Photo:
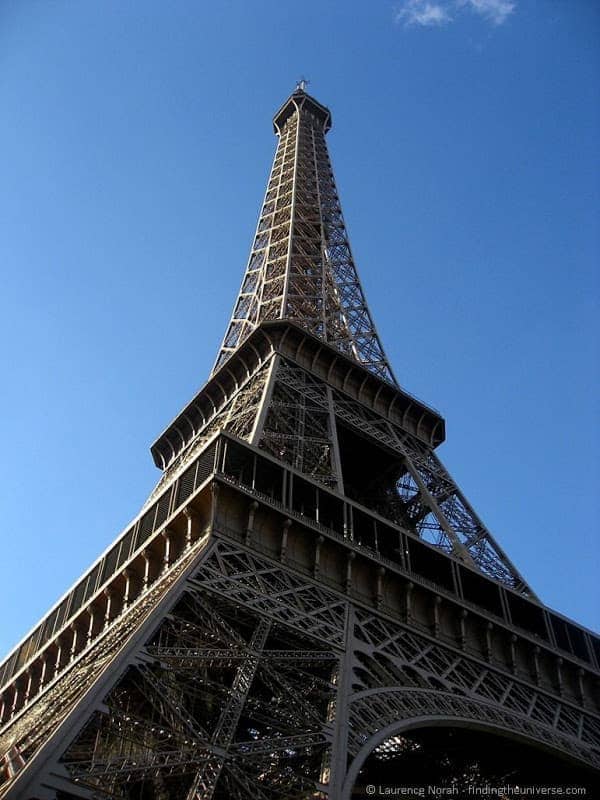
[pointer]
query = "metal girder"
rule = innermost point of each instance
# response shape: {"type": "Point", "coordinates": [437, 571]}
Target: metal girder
{"type": "Point", "coordinates": [301, 266]}
{"type": "Point", "coordinates": [426, 497]}
{"type": "Point", "coordinates": [205, 781]}
{"type": "Point", "coordinates": [153, 707]}
{"type": "Point", "coordinates": [235, 694]}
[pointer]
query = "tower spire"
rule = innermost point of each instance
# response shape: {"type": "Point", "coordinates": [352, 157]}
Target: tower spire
{"type": "Point", "coordinates": [301, 266]}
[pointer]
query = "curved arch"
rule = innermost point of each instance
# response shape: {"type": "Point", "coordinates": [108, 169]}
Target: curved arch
{"type": "Point", "coordinates": [407, 709]}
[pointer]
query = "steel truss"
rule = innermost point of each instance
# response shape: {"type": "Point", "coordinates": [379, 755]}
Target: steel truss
{"type": "Point", "coordinates": [239, 690]}
{"type": "Point", "coordinates": [301, 267]}
{"type": "Point", "coordinates": [425, 496]}
{"type": "Point", "coordinates": [293, 415]}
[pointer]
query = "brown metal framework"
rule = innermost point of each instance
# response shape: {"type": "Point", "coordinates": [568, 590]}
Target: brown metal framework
{"type": "Point", "coordinates": [306, 580]}
{"type": "Point", "coordinates": [301, 266]}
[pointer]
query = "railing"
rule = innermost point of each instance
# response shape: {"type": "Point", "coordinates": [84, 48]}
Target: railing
{"type": "Point", "coordinates": [296, 496]}
{"type": "Point", "coordinates": [126, 548]}
{"type": "Point", "coordinates": [415, 557]}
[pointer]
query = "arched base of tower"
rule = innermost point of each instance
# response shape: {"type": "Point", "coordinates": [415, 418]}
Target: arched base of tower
{"type": "Point", "coordinates": [456, 760]}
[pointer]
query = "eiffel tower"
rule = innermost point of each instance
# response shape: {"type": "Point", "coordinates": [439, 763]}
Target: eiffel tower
{"type": "Point", "coordinates": [307, 585]}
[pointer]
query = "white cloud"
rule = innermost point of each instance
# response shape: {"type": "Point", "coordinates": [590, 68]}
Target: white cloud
{"type": "Point", "coordinates": [496, 11]}
{"type": "Point", "coordinates": [422, 12]}
{"type": "Point", "coordinates": [429, 13]}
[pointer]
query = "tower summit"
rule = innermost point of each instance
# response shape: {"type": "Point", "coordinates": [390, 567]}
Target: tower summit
{"type": "Point", "coordinates": [301, 267]}
{"type": "Point", "coordinates": [307, 582]}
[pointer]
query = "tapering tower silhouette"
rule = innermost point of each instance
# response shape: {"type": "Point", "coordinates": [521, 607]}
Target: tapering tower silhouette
{"type": "Point", "coordinates": [307, 584]}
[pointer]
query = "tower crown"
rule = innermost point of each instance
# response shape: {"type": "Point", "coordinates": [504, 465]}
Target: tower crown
{"type": "Point", "coordinates": [301, 267]}
{"type": "Point", "coordinates": [301, 102]}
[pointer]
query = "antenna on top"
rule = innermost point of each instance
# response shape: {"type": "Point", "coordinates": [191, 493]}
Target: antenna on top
{"type": "Point", "coordinates": [301, 85]}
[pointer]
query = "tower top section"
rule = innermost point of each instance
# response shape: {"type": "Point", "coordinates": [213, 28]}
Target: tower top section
{"type": "Point", "coordinates": [300, 101]}
{"type": "Point", "coordinates": [301, 267]}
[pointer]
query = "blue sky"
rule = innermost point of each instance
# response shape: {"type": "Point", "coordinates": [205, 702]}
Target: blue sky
{"type": "Point", "coordinates": [134, 150]}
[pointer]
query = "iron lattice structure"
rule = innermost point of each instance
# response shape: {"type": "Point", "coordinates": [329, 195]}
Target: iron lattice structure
{"type": "Point", "coordinates": [301, 266]}
{"type": "Point", "coordinates": [306, 581]}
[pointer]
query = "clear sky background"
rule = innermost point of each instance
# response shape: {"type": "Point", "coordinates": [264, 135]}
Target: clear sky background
{"type": "Point", "coordinates": [135, 145]}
